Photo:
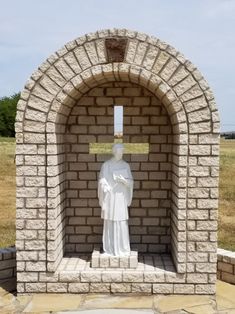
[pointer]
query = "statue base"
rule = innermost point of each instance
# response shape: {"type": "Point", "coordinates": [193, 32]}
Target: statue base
{"type": "Point", "coordinates": [102, 260]}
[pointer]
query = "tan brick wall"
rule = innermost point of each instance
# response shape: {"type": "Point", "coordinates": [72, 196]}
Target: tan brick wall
{"type": "Point", "coordinates": [43, 158]}
{"type": "Point", "coordinates": [145, 121]}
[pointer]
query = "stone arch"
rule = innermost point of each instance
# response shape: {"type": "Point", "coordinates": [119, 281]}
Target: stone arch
{"type": "Point", "coordinates": [71, 72]}
{"type": "Point", "coordinates": [143, 53]}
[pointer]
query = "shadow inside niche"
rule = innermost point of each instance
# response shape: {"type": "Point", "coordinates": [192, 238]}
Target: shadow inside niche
{"type": "Point", "coordinates": [7, 270]}
{"type": "Point", "coordinates": [8, 285]}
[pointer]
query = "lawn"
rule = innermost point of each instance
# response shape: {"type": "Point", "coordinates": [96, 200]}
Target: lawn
{"type": "Point", "coordinates": [226, 204]}
{"type": "Point", "coordinates": [7, 191]}
{"type": "Point", "coordinates": [227, 195]}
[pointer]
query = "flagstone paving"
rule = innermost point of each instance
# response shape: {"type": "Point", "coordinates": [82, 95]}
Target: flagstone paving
{"type": "Point", "coordinates": [222, 303]}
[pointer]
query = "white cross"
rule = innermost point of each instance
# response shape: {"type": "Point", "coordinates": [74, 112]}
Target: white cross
{"type": "Point", "coordinates": [129, 148]}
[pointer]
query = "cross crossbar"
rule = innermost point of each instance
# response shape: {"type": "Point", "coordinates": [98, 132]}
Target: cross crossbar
{"type": "Point", "coordinates": [129, 148]}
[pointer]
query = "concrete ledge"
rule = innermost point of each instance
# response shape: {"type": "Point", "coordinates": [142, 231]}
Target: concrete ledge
{"type": "Point", "coordinates": [226, 266]}
{"type": "Point", "coordinates": [225, 272]}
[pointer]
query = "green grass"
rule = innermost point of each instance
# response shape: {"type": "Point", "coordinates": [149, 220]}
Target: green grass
{"type": "Point", "coordinates": [226, 203]}
{"type": "Point", "coordinates": [227, 195]}
{"type": "Point", "coordinates": [7, 194]}
{"type": "Point", "coordinates": [7, 139]}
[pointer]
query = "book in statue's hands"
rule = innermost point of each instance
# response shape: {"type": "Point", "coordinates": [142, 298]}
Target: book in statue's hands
{"type": "Point", "coordinates": [120, 172]}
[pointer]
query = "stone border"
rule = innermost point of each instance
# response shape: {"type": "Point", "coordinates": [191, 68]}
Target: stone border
{"type": "Point", "coordinates": [8, 268]}
{"type": "Point", "coordinates": [226, 266]}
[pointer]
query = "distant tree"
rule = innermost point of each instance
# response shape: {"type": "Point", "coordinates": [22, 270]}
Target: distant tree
{"type": "Point", "coordinates": [7, 115]}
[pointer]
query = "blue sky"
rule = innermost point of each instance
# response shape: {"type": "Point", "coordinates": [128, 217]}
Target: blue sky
{"type": "Point", "coordinates": [203, 30]}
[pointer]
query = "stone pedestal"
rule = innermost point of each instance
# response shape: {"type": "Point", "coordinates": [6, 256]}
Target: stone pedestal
{"type": "Point", "coordinates": [102, 260]}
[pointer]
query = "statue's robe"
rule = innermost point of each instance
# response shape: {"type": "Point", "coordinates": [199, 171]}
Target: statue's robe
{"type": "Point", "coordinates": [114, 199]}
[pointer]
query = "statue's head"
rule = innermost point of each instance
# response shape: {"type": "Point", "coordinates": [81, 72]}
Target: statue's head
{"type": "Point", "coordinates": [118, 151]}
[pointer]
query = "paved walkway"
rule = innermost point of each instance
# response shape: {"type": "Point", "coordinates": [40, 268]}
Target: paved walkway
{"type": "Point", "coordinates": [222, 303]}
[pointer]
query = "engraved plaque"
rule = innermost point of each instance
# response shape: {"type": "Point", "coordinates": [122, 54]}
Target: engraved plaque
{"type": "Point", "coordinates": [115, 48]}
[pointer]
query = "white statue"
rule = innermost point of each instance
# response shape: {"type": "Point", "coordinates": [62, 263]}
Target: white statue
{"type": "Point", "coordinates": [115, 190]}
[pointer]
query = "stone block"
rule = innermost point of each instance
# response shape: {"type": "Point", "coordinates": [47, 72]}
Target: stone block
{"type": "Point", "coordinates": [35, 245]}
{"type": "Point", "coordinates": [81, 55]}
{"type": "Point", "coordinates": [100, 287]}
{"type": "Point", "coordinates": [225, 267]}
{"type": "Point", "coordinates": [133, 260]}
{"type": "Point", "coordinates": [35, 266]}
{"type": "Point", "coordinates": [27, 276]}
{"type": "Point", "coordinates": [132, 276]}
{"type": "Point", "coordinates": [199, 171]}
{"type": "Point", "coordinates": [198, 214]}
{"type": "Point", "coordinates": [206, 247]}
{"type": "Point", "coordinates": [69, 276]}
{"type": "Point", "coordinates": [114, 262]}
{"type": "Point", "coordinates": [35, 287]}
{"type": "Point", "coordinates": [78, 287]}
{"type": "Point", "coordinates": [48, 277]}
{"type": "Point", "coordinates": [124, 262]}
{"type": "Point", "coordinates": [154, 276]}
{"type": "Point", "coordinates": [120, 287]}
{"type": "Point", "coordinates": [38, 224]}
{"type": "Point", "coordinates": [183, 289]}
{"type": "Point", "coordinates": [207, 225]}
{"type": "Point", "coordinates": [206, 267]}
{"type": "Point", "coordinates": [207, 203]}
{"type": "Point", "coordinates": [20, 266]}
{"type": "Point", "coordinates": [197, 278]}
{"type": "Point", "coordinates": [95, 261]}
{"type": "Point", "coordinates": [102, 260]}
{"type": "Point", "coordinates": [141, 288]}
{"type": "Point", "coordinates": [71, 60]}
{"type": "Point", "coordinates": [90, 276]}
{"type": "Point", "coordinates": [57, 287]}
{"type": "Point", "coordinates": [205, 289]}
{"type": "Point", "coordinates": [173, 277]}
{"type": "Point", "coordinates": [112, 276]}
{"type": "Point", "coordinates": [198, 235]}
{"type": "Point", "coordinates": [64, 69]}
{"type": "Point", "coordinates": [197, 257]}
{"type": "Point", "coordinates": [228, 277]}
{"type": "Point", "coordinates": [163, 288]}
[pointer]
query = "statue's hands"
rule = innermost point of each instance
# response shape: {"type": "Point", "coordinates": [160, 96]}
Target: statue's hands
{"type": "Point", "coordinates": [121, 179]}
{"type": "Point", "coordinates": [105, 186]}
{"type": "Point", "coordinates": [107, 189]}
